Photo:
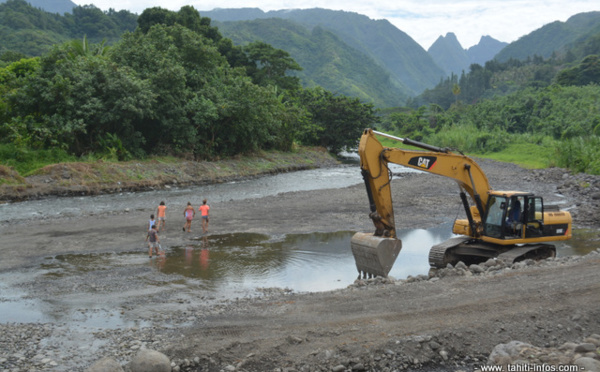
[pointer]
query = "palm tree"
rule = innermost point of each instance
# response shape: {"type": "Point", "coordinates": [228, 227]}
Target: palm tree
{"type": "Point", "coordinates": [81, 48]}
{"type": "Point", "coordinates": [456, 92]}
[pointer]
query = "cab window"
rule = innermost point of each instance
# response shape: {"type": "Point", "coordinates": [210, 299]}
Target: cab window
{"type": "Point", "coordinates": [495, 217]}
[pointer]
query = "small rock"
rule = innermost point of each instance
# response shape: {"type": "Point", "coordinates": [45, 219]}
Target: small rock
{"type": "Point", "coordinates": [476, 269]}
{"type": "Point", "coordinates": [585, 347]}
{"type": "Point", "coordinates": [294, 340]}
{"type": "Point", "coordinates": [444, 354]}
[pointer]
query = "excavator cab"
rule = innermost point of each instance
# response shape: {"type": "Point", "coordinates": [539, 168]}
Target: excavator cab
{"type": "Point", "coordinates": [515, 215]}
{"type": "Point", "coordinates": [506, 216]}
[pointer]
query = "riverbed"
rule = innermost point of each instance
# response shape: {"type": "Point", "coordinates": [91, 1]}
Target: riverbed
{"type": "Point", "coordinates": [223, 266]}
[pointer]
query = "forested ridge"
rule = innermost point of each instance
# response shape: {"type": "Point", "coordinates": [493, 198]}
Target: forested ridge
{"type": "Point", "coordinates": [173, 85]}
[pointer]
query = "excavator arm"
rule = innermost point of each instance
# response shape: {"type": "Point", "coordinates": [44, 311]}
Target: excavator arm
{"type": "Point", "coordinates": [375, 253]}
{"type": "Point", "coordinates": [374, 160]}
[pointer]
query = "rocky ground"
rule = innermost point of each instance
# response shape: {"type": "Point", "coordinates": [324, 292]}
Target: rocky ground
{"type": "Point", "coordinates": [459, 318]}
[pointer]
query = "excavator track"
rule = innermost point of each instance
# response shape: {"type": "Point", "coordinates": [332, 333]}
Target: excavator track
{"type": "Point", "coordinates": [529, 251]}
{"type": "Point", "coordinates": [471, 251]}
{"type": "Point", "coordinates": [441, 255]}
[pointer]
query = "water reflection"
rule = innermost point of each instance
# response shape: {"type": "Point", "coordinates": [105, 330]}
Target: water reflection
{"type": "Point", "coordinates": [302, 262]}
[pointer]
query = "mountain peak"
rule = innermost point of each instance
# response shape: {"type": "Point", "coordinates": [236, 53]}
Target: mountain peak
{"type": "Point", "coordinates": [442, 42]}
{"type": "Point", "coordinates": [447, 52]}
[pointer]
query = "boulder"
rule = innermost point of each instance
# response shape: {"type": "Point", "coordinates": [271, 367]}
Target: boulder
{"type": "Point", "coordinates": [510, 350]}
{"type": "Point", "coordinates": [150, 361]}
{"type": "Point", "coordinates": [588, 364]}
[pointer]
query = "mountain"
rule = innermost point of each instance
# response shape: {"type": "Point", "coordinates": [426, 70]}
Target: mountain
{"type": "Point", "coordinates": [52, 6]}
{"type": "Point", "coordinates": [408, 63]}
{"type": "Point", "coordinates": [450, 55]}
{"type": "Point", "coordinates": [553, 37]}
{"type": "Point", "coordinates": [326, 60]}
{"type": "Point", "coordinates": [485, 50]}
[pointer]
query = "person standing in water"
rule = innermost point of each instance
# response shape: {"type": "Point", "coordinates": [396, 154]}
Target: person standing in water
{"type": "Point", "coordinates": [151, 222]}
{"type": "Point", "coordinates": [161, 214]}
{"type": "Point", "coordinates": [189, 213]}
{"type": "Point", "coordinates": [153, 241]}
{"type": "Point", "coordinates": [204, 208]}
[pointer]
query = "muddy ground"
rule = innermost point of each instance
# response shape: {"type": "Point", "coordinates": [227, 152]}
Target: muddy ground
{"type": "Point", "coordinates": [448, 323]}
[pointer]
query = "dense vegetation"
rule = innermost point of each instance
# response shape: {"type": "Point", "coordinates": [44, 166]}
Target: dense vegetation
{"type": "Point", "coordinates": [168, 88]}
{"type": "Point", "coordinates": [174, 85]}
{"type": "Point", "coordinates": [557, 125]}
{"type": "Point", "coordinates": [31, 31]}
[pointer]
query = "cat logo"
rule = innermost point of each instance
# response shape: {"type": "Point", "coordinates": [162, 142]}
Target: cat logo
{"type": "Point", "coordinates": [425, 162]}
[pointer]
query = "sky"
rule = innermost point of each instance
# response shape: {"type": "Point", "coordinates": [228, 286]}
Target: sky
{"type": "Point", "coordinates": [422, 20]}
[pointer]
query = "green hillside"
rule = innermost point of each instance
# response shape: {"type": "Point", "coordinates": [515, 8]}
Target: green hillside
{"type": "Point", "coordinates": [325, 59]}
{"type": "Point", "coordinates": [554, 37]}
{"type": "Point", "coordinates": [406, 60]}
{"type": "Point", "coordinates": [32, 31]}
{"type": "Point", "coordinates": [388, 46]}
{"type": "Point", "coordinates": [52, 6]}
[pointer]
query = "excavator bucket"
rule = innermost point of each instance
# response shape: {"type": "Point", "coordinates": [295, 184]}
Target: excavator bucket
{"type": "Point", "coordinates": [374, 255]}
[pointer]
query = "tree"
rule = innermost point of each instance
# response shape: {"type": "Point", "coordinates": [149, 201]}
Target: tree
{"type": "Point", "coordinates": [456, 92]}
{"type": "Point", "coordinates": [337, 122]}
{"type": "Point", "coordinates": [589, 70]}
{"type": "Point", "coordinates": [74, 101]}
{"type": "Point", "coordinates": [271, 66]}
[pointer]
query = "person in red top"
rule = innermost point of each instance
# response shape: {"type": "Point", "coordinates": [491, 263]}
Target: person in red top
{"type": "Point", "coordinates": [189, 213]}
{"type": "Point", "coordinates": [204, 208]}
{"type": "Point", "coordinates": [161, 216]}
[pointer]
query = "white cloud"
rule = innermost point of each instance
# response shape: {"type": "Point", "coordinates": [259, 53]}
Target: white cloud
{"type": "Point", "coordinates": [424, 21]}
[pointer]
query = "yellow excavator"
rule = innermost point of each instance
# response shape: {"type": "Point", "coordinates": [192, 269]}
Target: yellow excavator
{"type": "Point", "coordinates": [507, 225]}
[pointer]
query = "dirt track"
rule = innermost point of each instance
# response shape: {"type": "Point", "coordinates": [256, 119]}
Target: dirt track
{"type": "Point", "coordinates": [444, 323]}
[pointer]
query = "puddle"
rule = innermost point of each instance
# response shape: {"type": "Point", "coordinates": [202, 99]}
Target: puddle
{"type": "Point", "coordinates": [303, 262]}
{"type": "Point", "coordinates": [219, 266]}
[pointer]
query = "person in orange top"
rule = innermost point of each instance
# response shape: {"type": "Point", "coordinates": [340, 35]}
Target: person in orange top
{"type": "Point", "coordinates": [204, 208]}
{"type": "Point", "coordinates": [161, 216]}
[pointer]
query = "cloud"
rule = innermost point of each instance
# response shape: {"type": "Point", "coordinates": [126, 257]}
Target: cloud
{"type": "Point", "coordinates": [424, 20]}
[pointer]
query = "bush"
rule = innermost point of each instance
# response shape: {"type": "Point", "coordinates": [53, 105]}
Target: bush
{"type": "Point", "coordinates": [581, 154]}
{"type": "Point", "coordinates": [25, 160]}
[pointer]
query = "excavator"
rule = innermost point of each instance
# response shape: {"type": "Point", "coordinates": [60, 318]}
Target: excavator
{"type": "Point", "coordinates": [506, 225]}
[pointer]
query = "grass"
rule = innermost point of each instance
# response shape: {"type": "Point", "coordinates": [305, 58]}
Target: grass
{"type": "Point", "coordinates": [154, 170]}
{"type": "Point", "coordinates": [523, 154]}
{"type": "Point", "coordinates": [527, 155]}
